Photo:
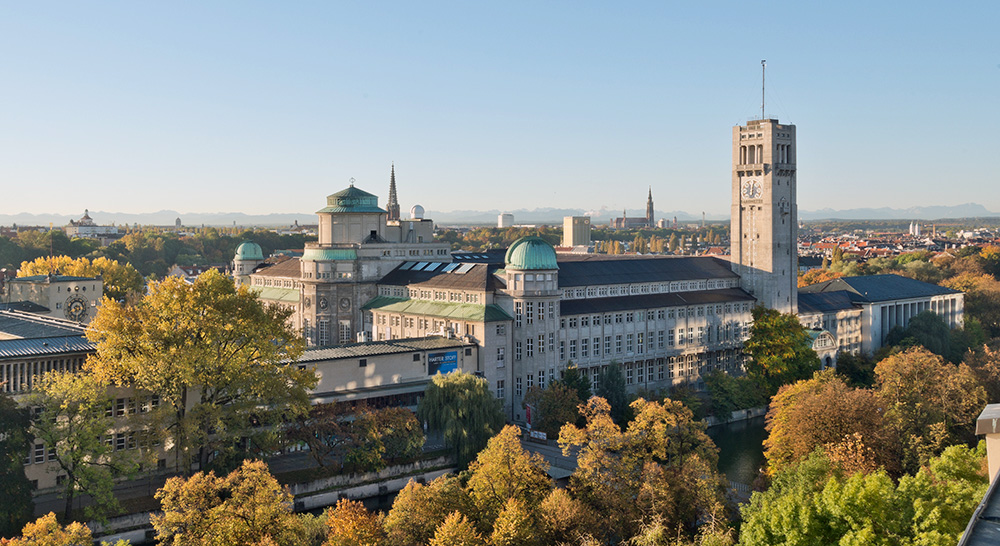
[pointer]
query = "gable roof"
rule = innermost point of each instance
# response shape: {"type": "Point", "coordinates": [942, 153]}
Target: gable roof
{"type": "Point", "coordinates": [595, 269]}
{"type": "Point", "coordinates": [825, 302]}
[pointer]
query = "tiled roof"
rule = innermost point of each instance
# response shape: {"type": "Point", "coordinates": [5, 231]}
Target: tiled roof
{"type": "Point", "coordinates": [455, 311]}
{"type": "Point", "coordinates": [875, 288]}
{"type": "Point", "coordinates": [596, 269]}
{"type": "Point", "coordinates": [289, 268]}
{"type": "Point", "coordinates": [373, 348]}
{"type": "Point", "coordinates": [652, 301]}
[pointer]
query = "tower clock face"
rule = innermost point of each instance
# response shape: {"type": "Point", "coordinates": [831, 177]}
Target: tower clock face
{"type": "Point", "coordinates": [751, 189]}
{"type": "Point", "coordinates": [76, 308]}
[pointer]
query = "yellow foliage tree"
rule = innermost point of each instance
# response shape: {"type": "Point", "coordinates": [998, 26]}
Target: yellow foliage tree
{"type": "Point", "coordinates": [120, 280]}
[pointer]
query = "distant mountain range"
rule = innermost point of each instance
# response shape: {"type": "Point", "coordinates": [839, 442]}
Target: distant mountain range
{"type": "Point", "coordinates": [488, 217]}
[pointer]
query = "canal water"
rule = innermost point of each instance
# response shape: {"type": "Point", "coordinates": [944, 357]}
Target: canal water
{"type": "Point", "coordinates": [741, 449]}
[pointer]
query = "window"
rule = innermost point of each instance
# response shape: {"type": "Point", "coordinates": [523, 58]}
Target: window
{"type": "Point", "coordinates": [345, 331]}
{"type": "Point", "coordinates": [597, 346]}
{"type": "Point", "coordinates": [541, 379]}
{"type": "Point", "coordinates": [501, 329]}
{"type": "Point", "coordinates": [362, 362]}
{"type": "Point", "coordinates": [607, 319]}
{"type": "Point", "coordinates": [680, 336]}
{"type": "Point", "coordinates": [529, 348]}
{"type": "Point", "coordinates": [562, 350]}
{"type": "Point", "coordinates": [529, 311]}
{"type": "Point", "coordinates": [552, 341]}
{"type": "Point", "coordinates": [618, 343]}
{"type": "Point", "coordinates": [531, 380]}
{"type": "Point", "coordinates": [39, 453]}
{"type": "Point", "coordinates": [120, 442]}
{"type": "Point", "coordinates": [659, 339]}
{"type": "Point", "coordinates": [584, 321]}
{"type": "Point", "coordinates": [518, 313]}
{"type": "Point", "coordinates": [638, 373]}
{"type": "Point", "coordinates": [618, 318]}
{"type": "Point", "coordinates": [552, 309]}
{"type": "Point", "coordinates": [628, 374]}
{"type": "Point", "coordinates": [584, 352]}
{"type": "Point", "coordinates": [500, 388]}
{"type": "Point", "coordinates": [500, 356]}
{"type": "Point", "coordinates": [630, 342]}
{"type": "Point", "coordinates": [541, 343]}
{"type": "Point", "coordinates": [541, 311]}
{"type": "Point", "coordinates": [629, 317]}
{"type": "Point", "coordinates": [119, 407]}
{"type": "Point", "coordinates": [517, 386]}
{"type": "Point", "coordinates": [416, 357]}
{"type": "Point", "coordinates": [517, 350]}
{"type": "Point", "coordinates": [572, 322]}
{"type": "Point", "coordinates": [572, 349]}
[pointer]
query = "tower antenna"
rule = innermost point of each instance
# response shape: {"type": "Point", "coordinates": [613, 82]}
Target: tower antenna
{"type": "Point", "coordinates": [763, 68]}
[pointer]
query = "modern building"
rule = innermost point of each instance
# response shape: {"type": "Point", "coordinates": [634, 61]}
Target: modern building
{"type": "Point", "coordinates": [576, 231]}
{"type": "Point", "coordinates": [505, 220]}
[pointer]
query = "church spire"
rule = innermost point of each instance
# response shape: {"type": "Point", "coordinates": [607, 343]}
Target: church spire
{"type": "Point", "coordinates": [650, 222]}
{"type": "Point", "coordinates": [393, 205]}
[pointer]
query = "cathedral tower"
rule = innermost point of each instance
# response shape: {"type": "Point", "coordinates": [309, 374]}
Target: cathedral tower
{"type": "Point", "coordinates": [764, 221]}
{"type": "Point", "coordinates": [393, 205]}
{"type": "Point", "coordinates": [650, 220]}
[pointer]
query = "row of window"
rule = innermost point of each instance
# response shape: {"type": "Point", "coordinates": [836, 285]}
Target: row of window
{"type": "Point", "coordinates": [634, 343]}
{"type": "Point", "coordinates": [647, 288]}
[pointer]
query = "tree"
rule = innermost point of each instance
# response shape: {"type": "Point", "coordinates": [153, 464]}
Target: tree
{"type": "Point", "coordinates": [246, 507]}
{"type": "Point", "coordinates": [327, 429]}
{"type": "Point", "coordinates": [352, 525]}
{"type": "Point", "coordinates": [463, 408]}
{"type": "Point", "coordinates": [552, 407]}
{"type": "Point", "coordinates": [825, 412]}
{"type": "Point", "coordinates": [215, 354]}
{"type": "Point", "coordinates": [15, 489]}
{"type": "Point", "coordinates": [984, 362]}
{"type": "Point", "coordinates": [75, 423]}
{"type": "Point", "coordinates": [419, 509]}
{"type": "Point", "coordinates": [857, 370]}
{"type": "Point", "coordinates": [611, 387]}
{"type": "Point", "coordinates": [514, 526]}
{"type": "Point", "coordinates": [456, 530]}
{"type": "Point", "coordinates": [780, 350]}
{"type": "Point", "coordinates": [120, 280]}
{"type": "Point", "coordinates": [46, 531]}
{"type": "Point", "coordinates": [729, 394]}
{"type": "Point", "coordinates": [932, 403]}
{"type": "Point", "coordinates": [400, 433]}
{"type": "Point", "coordinates": [565, 520]}
{"type": "Point", "coordinates": [575, 380]}
{"type": "Point", "coordinates": [505, 471]}
{"type": "Point", "coordinates": [662, 465]}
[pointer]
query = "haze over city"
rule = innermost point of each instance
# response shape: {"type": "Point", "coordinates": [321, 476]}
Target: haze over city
{"type": "Point", "coordinates": [260, 108]}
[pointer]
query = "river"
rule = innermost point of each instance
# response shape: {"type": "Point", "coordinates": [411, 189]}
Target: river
{"type": "Point", "coordinates": [741, 450]}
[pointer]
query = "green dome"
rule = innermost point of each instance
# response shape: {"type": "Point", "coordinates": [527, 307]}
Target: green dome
{"type": "Point", "coordinates": [249, 250]}
{"type": "Point", "coordinates": [529, 253]}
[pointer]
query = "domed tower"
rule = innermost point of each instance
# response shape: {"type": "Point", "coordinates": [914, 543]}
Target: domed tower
{"type": "Point", "coordinates": [532, 276]}
{"type": "Point", "coordinates": [248, 256]}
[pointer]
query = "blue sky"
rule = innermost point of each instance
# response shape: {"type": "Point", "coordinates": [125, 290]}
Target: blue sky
{"type": "Point", "coordinates": [264, 107]}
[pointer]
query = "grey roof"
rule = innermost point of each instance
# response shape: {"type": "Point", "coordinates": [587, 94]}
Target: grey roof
{"type": "Point", "coordinates": [50, 278]}
{"type": "Point", "coordinates": [596, 269]}
{"type": "Point", "coordinates": [473, 276]}
{"type": "Point", "coordinates": [27, 325]}
{"type": "Point", "coordinates": [26, 335]}
{"type": "Point", "coordinates": [652, 301]}
{"type": "Point", "coordinates": [875, 288]}
{"type": "Point", "coordinates": [24, 306]}
{"type": "Point", "coordinates": [20, 348]}
{"type": "Point", "coordinates": [374, 348]}
{"type": "Point", "coordinates": [825, 302]}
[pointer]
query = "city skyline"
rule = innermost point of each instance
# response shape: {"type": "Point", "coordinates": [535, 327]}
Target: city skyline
{"type": "Point", "coordinates": [259, 109]}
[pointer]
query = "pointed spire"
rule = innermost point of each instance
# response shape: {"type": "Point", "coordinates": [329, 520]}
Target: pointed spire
{"type": "Point", "coordinates": [393, 205]}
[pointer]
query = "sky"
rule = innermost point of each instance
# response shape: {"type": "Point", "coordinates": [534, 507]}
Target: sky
{"type": "Point", "coordinates": [262, 107]}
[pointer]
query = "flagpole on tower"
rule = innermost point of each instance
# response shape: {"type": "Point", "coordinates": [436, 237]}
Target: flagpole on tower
{"type": "Point", "coordinates": [763, 67]}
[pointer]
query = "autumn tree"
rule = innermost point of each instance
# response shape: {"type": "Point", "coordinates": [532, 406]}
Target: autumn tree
{"type": "Point", "coordinates": [504, 471]}
{"type": "Point", "coordinates": [984, 361]}
{"type": "Point", "coordinates": [75, 424]}
{"type": "Point", "coordinates": [515, 526]}
{"type": "Point", "coordinates": [46, 531]}
{"type": "Point", "coordinates": [932, 403]}
{"type": "Point", "coordinates": [419, 509]}
{"type": "Point", "coordinates": [244, 508]}
{"type": "Point", "coordinates": [400, 433]}
{"type": "Point", "coordinates": [462, 407]}
{"type": "Point", "coordinates": [219, 357]}
{"type": "Point", "coordinates": [327, 429]}
{"type": "Point", "coordinates": [456, 530]}
{"type": "Point", "coordinates": [552, 407]}
{"type": "Point", "coordinates": [352, 525]}
{"type": "Point", "coordinates": [15, 489]}
{"type": "Point", "coordinates": [779, 348]}
{"type": "Point", "coordinates": [661, 465]}
{"type": "Point", "coordinates": [564, 519]}
{"type": "Point", "coordinates": [825, 412]}
{"type": "Point", "coordinates": [120, 280]}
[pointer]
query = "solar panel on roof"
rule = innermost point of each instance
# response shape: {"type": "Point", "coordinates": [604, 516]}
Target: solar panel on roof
{"type": "Point", "coordinates": [407, 265]}
{"type": "Point", "coordinates": [465, 268]}
{"type": "Point", "coordinates": [420, 266]}
{"type": "Point", "coordinates": [448, 268]}
{"type": "Point", "coordinates": [433, 267]}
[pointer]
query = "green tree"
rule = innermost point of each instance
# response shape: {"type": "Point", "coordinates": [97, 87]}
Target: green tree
{"type": "Point", "coordinates": [75, 424]}
{"type": "Point", "coordinates": [857, 370]}
{"type": "Point", "coordinates": [779, 348]}
{"type": "Point", "coordinates": [246, 507]}
{"type": "Point", "coordinates": [932, 403]}
{"type": "Point", "coordinates": [327, 429]}
{"type": "Point", "coordinates": [462, 407]}
{"type": "Point", "coordinates": [729, 393]}
{"type": "Point", "coordinates": [400, 433]}
{"type": "Point", "coordinates": [611, 387]}
{"type": "Point", "coordinates": [575, 380]}
{"type": "Point", "coordinates": [215, 354]}
{"type": "Point", "coordinates": [504, 471]}
{"type": "Point", "coordinates": [15, 489]}
{"type": "Point", "coordinates": [552, 407]}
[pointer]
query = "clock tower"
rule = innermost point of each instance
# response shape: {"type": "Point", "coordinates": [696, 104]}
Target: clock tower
{"type": "Point", "coordinates": [764, 221]}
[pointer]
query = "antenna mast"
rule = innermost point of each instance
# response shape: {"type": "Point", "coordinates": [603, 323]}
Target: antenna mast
{"type": "Point", "coordinates": [763, 67]}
